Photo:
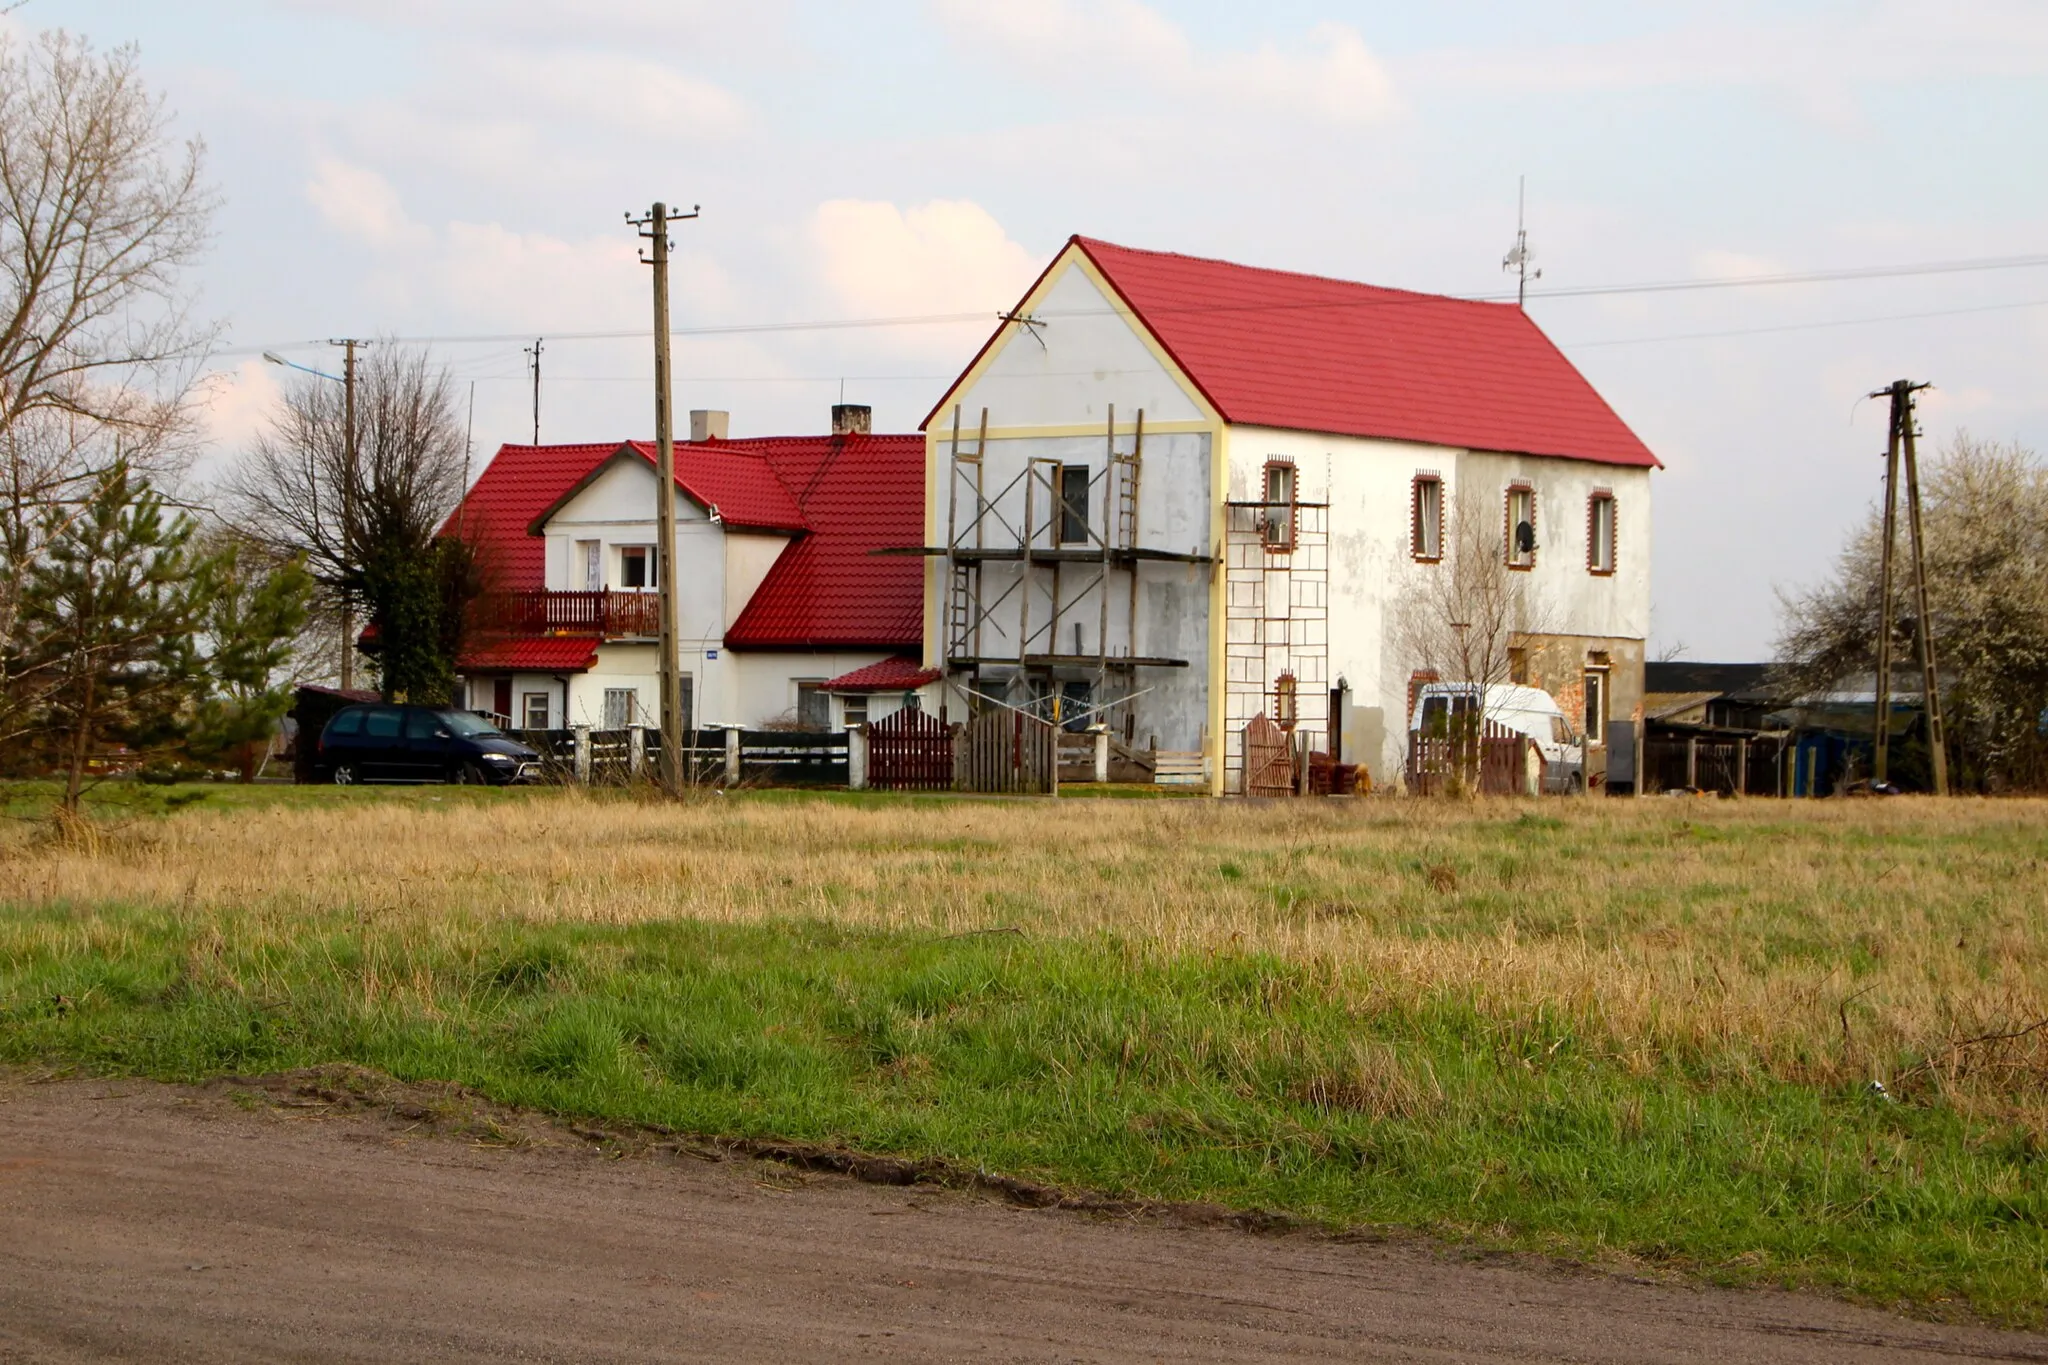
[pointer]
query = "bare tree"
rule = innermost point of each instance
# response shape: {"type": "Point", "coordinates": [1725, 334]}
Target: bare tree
{"type": "Point", "coordinates": [362, 524]}
{"type": "Point", "coordinates": [1463, 618]}
{"type": "Point", "coordinates": [100, 212]}
{"type": "Point", "coordinates": [1986, 519]}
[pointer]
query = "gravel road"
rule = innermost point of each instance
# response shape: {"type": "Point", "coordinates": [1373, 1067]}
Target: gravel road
{"type": "Point", "coordinates": [273, 1221]}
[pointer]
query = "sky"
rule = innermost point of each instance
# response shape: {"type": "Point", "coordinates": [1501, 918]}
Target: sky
{"type": "Point", "coordinates": [461, 170]}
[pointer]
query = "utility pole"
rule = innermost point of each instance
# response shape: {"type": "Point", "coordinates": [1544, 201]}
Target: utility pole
{"type": "Point", "coordinates": [654, 227]}
{"type": "Point", "coordinates": [1902, 440]}
{"type": "Point", "coordinates": [534, 351]}
{"type": "Point", "coordinates": [348, 503]}
{"type": "Point", "coordinates": [1881, 727]}
{"type": "Point", "coordinates": [1923, 626]}
{"type": "Point", "coordinates": [1518, 259]}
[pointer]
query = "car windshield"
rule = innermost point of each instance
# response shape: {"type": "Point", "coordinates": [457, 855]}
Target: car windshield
{"type": "Point", "coordinates": [466, 723]}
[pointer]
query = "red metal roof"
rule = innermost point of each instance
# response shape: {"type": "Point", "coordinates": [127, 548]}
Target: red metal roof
{"type": "Point", "coordinates": [841, 497]}
{"type": "Point", "coordinates": [514, 487]}
{"type": "Point", "coordinates": [1305, 353]}
{"type": "Point", "coordinates": [728, 478]}
{"type": "Point", "coordinates": [890, 675]}
{"type": "Point", "coordinates": [828, 590]}
{"type": "Point", "coordinates": [529, 654]}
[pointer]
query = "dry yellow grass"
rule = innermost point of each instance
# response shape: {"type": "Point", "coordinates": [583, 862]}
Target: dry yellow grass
{"type": "Point", "coordinates": [1815, 941]}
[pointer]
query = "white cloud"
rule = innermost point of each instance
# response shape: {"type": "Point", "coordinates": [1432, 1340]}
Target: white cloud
{"type": "Point", "coordinates": [611, 91]}
{"type": "Point", "coordinates": [237, 402]}
{"type": "Point", "coordinates": [1333, 77]}
{"type": "Point", "coordinates": [946, 256]}
{"type": "Point", "coordinates": [360, 203]}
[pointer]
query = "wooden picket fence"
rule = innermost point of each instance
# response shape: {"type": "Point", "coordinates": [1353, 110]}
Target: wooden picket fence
{"type": "Point", "coordinates": [910, 751]}
{"type": "Point", "coordinates": [1434, 760]}
{"type": "Point", "coordinates": [1007, 751]}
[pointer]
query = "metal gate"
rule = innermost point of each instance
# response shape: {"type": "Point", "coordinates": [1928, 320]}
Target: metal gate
{"type": "Point", "coordinates": [910, 751]}
{"type": "Point", "coordinates": [1006, 751]}
{"type": "Point", "coordinates": [1268, 759]}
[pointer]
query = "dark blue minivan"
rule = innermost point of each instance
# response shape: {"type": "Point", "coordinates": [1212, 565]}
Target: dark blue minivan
{"type": "Point", "coordinates": [399, 743]}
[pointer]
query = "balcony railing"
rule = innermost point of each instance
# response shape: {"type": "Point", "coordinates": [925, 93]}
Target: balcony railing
{"type": "Point", "coordinates": [609, 615]}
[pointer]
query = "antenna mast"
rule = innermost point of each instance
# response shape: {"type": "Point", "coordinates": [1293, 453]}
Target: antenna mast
{"type": "Point", "coordinates": [1517, 260]}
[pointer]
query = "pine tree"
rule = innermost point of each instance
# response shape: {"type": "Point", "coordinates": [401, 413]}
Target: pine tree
{"type": "Point", "coordinates": [254, 610]}
{"type": "Point", "coordinates": [112, 606]}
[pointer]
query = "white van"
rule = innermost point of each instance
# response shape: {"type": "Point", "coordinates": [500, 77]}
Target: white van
{"type": "Point", "coordinates": [1529, 710]}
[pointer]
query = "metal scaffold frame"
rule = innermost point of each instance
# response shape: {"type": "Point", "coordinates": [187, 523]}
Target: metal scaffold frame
{"type": "Point", "coordinates": [1053, 571]}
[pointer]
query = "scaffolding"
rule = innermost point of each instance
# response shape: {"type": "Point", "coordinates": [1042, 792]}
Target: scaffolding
{"type": "Point", "coordinates": [1063, 553]}
{"type": "Point", "coordinates": [1276, 608]}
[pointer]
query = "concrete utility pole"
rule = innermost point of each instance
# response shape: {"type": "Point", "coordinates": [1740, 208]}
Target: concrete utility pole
{"type": "Point", "coordinates": [654, 227]}
{"type": "Point", "coordinates": [534, 351]}
{"type": "Point", "coordinates": [1902, 439]}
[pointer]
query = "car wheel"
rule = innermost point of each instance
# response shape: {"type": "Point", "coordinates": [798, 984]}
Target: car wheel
{"type": "Point", "coordinates": [345, 775]}
{"type": "Point", "coordinates": [1575, 785]}
{"type": "Point", "coordinates": [470, 775]}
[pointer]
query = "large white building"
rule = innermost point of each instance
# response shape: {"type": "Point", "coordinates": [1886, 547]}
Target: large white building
{"type": "Point", "coordinates": [1173, 494]}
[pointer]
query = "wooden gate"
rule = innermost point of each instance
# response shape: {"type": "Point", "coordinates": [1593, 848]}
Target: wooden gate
{"type": "Point", "coordinates": [1268, 759]}
{"type": "Point", "coordinates": [910, 751]}
{"type": "Point", "coordinates": [1006, 751]}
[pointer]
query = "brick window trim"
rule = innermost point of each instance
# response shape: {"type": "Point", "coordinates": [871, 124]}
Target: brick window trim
{"type": "Point", "coordinates": [1507, 519]}
{"type": "Point", "coordinates": [1281, 547]}
{"type": "Point", "coordinates": [1593, 501]}
{"type": "Point", "coordinates": [1415, 516]}
{"type": "Point", "coordinates": [1417, 680]}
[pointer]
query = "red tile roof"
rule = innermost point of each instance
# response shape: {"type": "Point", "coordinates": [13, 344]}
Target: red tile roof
{"type": "Point", "coordinates": [890, 675]}
{"type": "Point", "coordinates": [828, 590]}
{"type": "Point", "coordinates": [1304, 353]}
{"type": "Point", "coordinates": [529, 654]}
{"type": "Point", "coordinates": [517, 483]}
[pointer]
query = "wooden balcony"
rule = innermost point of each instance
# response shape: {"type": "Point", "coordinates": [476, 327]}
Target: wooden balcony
{"type": "Point", "coordinates": [608, 615]}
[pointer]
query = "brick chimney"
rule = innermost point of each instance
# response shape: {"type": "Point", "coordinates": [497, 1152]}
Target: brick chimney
{"type": "Point", "coordinates": [852, 419]}
{"type": "Point", "coordinates": [709, 424]}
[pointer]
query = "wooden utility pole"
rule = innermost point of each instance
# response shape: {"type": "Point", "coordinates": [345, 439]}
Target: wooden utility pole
{"type": "Point", "coordinates": [654, 227]}
{"type": "Point", "coordinates": [348, 504]}
{"type": "Point", "coordinates": [1881, 725]}
{"type": "Point", "coordinates": [1937, 736]}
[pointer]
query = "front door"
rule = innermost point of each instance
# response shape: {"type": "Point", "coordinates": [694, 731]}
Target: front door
{"type": "Point", "coordinates": [382, 752]}
{"type": "Point", "coordinates": [426, 745]}
{"type": "Point", "coordinates": [501, 701]}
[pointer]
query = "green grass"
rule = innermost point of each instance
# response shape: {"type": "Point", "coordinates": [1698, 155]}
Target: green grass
{"type": "Point", "coordinates": [1089, 1061]}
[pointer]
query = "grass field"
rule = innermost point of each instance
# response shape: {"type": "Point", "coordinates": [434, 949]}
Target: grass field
{"type": "Point", "coordinates": [1616, 1030]}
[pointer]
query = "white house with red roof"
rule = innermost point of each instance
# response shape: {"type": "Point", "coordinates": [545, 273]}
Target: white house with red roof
{"type": "Point", "coordinates": [1173, 494]}
{"type": "Point", "coordinates": [785, 614]}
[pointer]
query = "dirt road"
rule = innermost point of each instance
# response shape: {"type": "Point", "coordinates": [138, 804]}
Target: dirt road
{"type": "Point", "coordinates": [150, 1222]}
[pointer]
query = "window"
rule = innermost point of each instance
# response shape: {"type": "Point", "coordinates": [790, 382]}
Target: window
{"type": "Point", "coordinates": [534, 707]}
{"type": "Point", "coordinates": [590, 560]}
{"type": "Point", "coordinates": [854, 710]}
{"type": "Point", "coordinates": [1286, 701]}
{"type": "Point", "coordinates": [636, 566]}
{"type": "Point", "coordinates": [1600, 533]}
{"type": "Point", "coordinates": [1596, 705]}
{"type": "Point", "coordinates": [1521, 527]}
{"type": "Point", "coordinates": [1426, 518]}
{"type": "Point", "coordinates": [1074, 702]}
{"type": "Point", "coordinates": [813, 705]}
{"type": "Point", "coordinates": [422, 724]}
{"type": "Point", "coordinates": [1072, 525]}
{"type": "Point", "coordinates": [1280, 500]}
{"type": "Point", "coordinates": [381, 723]}
{"type": "Point", "coordinates": [621, 707]}
{"type": "Point", "coordinates": [1518, 664]}
{"type": "Point", "coordinates": [689, 682]}
{"type": "Point", "coordinates": [347, 723]}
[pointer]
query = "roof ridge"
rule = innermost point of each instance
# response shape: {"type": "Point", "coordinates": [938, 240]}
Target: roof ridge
{"type": "Point", "coordinates": [1088, 243]}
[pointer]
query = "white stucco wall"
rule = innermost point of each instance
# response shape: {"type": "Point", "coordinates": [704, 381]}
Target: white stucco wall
{"type": "Point", "coordinates": [1368, 485]}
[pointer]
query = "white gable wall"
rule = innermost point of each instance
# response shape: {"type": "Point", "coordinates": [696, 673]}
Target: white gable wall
{"type": "Point", "coordinates": [1368, 485]}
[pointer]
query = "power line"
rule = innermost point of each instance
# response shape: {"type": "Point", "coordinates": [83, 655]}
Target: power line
{"type": "Point", "coordinates": [1388, 298]}
{"type": "Point", "coordinates": [1802, 326]}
